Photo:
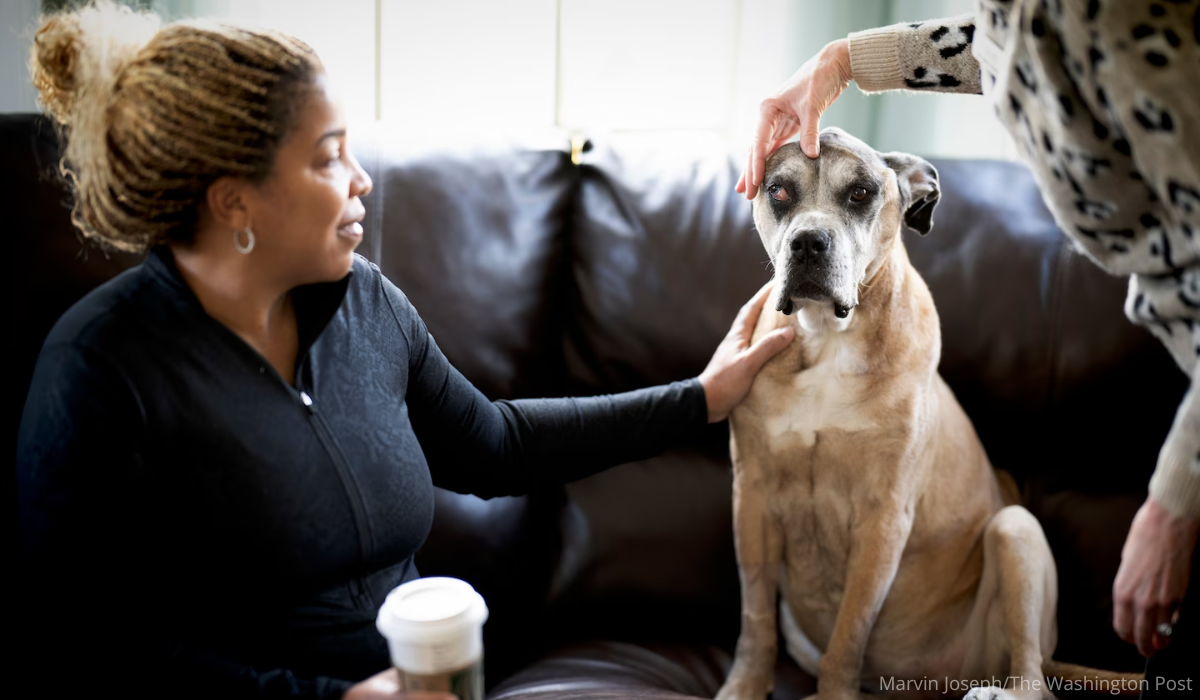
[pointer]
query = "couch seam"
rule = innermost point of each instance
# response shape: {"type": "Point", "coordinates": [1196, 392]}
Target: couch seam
{"type": "Point", "coordinates": [570, 300]}
{"type": "Point", "coordinates": [1061, 261]}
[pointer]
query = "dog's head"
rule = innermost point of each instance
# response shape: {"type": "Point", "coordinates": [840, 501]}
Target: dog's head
{"type": "Point", "coordinates": [829, 222]}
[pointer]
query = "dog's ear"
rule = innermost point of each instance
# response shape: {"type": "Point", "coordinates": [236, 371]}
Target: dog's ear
{"type": "Point", "coordinates": [919, 189]}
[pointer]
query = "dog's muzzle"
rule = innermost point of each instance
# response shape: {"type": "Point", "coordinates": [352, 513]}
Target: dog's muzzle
{"type": "Point", "coordinates": [808, 269]}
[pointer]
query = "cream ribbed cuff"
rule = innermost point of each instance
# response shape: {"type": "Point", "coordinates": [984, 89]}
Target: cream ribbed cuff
{"type": "Point", "coordinates": [1176, 486]}
{"type": "Point", "coordinates": [875, 59]}
{"type": "Point", "coordinates": [1176, 481]}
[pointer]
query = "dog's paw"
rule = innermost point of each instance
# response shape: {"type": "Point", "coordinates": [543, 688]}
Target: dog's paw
{"type": "Point", "coordinates": [742, 687]}
{"type": "Point", "coordinates": [1020, 691]}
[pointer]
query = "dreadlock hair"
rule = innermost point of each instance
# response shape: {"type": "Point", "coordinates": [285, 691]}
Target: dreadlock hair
{"type": "Point", "coordinates": [153, 116]}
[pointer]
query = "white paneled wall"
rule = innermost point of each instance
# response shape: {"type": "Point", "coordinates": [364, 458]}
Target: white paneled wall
{"type": "Point", "coordinates": [471, 64]}
{"type": "Point", "coordinates": [632, 64]}
{"type": "Point", "coordinates": [17, 19]}
{"type": "Point", "coordinates": [762, 63]}
{"type": "Point", "coordinates": [663, 68]}
{"type": "Point", "coordinates": [344, 39]}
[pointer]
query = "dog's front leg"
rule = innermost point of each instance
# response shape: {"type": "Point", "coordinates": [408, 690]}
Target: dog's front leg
{"type": "Point", "coordinates": [877, 544]}
{"type": "Point", "coordinates": [759, 542]}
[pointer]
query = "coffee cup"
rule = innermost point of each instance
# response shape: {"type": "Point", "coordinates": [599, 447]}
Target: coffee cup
{"type": "Point", "coordinates": [434, 630]}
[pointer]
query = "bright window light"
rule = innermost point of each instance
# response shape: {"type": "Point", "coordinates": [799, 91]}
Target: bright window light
{"type": "Point", "coordinates": [481, 66]}
{"type": "Point", "coordinates": [659, 70]}
{"type": "Point", "coordinates": [632, 64]}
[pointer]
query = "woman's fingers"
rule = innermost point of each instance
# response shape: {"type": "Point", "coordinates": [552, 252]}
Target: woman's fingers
{"type": "Point", "coordinates": [1145, 620]}
{"type": "Point", "coordinates": [810, 129]}
{"type": "Point", "coordinates": [747, 317]}
{"type": "Point", "coordinates": [1167, 616]}
{"type": "Point", "coordinates": [727, 378]}
{"type": "Point", "coordinates": [775, 127]}
{"type": "Point", "coordinates": [1153, 577]}
{"type": "Point", "coordinates": [756, 305]}
{"type": "Point", "coordinates": [1123, 619]}
{"type": "Point", "coordinates": [796, 108]}
{"type": "Point", "coordinates": [762, 136]}
{"type": "Point", "coordinates": [748, 187]}
{"type": "Point", "coordinates": [767, 347]}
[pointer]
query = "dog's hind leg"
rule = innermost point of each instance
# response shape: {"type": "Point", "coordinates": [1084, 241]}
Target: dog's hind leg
{"type": "Point", "coordinates": [1012, 627]}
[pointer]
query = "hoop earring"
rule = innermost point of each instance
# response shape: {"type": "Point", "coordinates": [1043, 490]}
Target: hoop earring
{"type": "Point", "coordinates": [237, 240]}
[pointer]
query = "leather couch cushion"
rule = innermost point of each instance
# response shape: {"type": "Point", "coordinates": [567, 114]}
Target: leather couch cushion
{"type": "Point", "coordinates": [663, 254]}
{"type": "Point", "coordinates": [474, 233]}
{"type": "Point", "coordinates": [1060, 386]}
{"type": "Point", "coordinates": [658, 559]}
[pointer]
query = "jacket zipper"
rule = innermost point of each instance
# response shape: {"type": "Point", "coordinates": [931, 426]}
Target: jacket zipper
{"type": "Point", "coordinates": [325, 435]}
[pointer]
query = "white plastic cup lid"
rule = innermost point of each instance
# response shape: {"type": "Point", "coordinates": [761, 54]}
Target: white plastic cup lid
{"type": "Point", "coordinates": [431, 610]}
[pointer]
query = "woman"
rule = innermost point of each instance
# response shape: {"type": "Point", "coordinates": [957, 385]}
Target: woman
{"type": "Point", "coordinates": [1099, 96]}
{"type": "Point", "coordinates": [227, 456]}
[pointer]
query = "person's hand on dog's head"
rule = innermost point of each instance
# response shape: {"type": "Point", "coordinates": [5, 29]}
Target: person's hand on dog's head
{"type": "Point", "coordinates": [796, 107]}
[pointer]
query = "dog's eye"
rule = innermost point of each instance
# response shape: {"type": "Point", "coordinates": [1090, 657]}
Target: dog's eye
{"type": "Point", "coordinates": [858, 194]}
{"type": "Point", "coordinates": [778, 193]}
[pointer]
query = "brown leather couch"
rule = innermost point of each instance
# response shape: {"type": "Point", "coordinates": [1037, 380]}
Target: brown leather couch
{"type": "Point", "coordinates": [540, 276]}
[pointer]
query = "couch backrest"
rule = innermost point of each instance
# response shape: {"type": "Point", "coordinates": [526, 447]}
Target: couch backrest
{"type": "Point", "coordinates": [473, 232]}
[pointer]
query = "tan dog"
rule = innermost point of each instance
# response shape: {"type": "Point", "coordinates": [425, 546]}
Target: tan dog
{"type": "Point", "coordinates": [862, 495]}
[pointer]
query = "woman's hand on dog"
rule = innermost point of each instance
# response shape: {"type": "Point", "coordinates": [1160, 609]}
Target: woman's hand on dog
{"type": "Point", "coordinates": [1155, 566]}
{"type": "Point", "coordinates": [736, 362]}
{"type": "Point", "coordinates": [796, 107]}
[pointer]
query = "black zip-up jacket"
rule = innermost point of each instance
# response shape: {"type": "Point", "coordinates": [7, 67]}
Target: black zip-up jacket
{"type": "Point", "coordinates": [194, 525]}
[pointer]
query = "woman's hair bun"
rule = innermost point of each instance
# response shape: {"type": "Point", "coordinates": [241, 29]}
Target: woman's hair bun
{"type": "Point", "coordinates": [152, 117]}
{"type": "Point", "coordinates": [78, 56]}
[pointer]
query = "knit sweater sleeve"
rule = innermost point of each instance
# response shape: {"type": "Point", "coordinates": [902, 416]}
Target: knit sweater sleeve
{"type": "Point", "coordinates": [935, 55]}
{"type": "Point", "coordinates": [1176, 481]}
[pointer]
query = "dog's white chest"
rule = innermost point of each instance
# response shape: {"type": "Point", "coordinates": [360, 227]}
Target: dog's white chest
{"type": "Point", "coordinates": [828, 395]}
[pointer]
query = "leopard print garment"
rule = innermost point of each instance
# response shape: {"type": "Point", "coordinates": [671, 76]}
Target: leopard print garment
{"type": "Point", "coordinates": [1102, 97]}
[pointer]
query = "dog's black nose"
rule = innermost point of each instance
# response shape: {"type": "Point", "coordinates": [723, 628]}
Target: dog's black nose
{"type": "Point", "coordinates": [810, 245]}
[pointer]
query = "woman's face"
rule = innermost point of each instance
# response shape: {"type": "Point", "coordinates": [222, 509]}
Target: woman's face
{"type": "Point", "coordinates": [307, 216]}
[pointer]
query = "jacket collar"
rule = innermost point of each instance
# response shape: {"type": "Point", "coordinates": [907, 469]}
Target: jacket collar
{"type": "Point", "coordinates": [315, 304]}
